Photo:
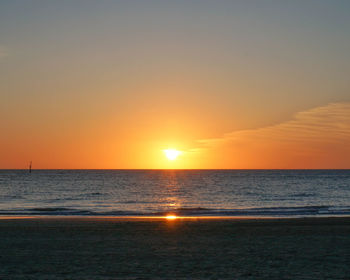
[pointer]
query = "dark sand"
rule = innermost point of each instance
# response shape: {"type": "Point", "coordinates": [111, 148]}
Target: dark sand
{"type": "Point", "coordinates": [62, 248]}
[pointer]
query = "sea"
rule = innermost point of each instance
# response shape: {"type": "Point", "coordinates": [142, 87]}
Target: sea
{"type": "Point", "coordinates": [205, 193]}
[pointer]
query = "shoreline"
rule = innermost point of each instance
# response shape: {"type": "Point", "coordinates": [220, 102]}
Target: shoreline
{"type": "Point", "coordinates": [101, 248]}
{"type": "Point", "coordinates": [175, 218]}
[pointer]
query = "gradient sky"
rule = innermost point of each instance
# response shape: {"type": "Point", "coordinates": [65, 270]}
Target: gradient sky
{"type": "Point", "coordinates": [232, 84]}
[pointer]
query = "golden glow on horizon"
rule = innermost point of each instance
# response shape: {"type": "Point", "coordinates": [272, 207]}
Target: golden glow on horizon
{"type": "Point", "coordinates": [171, 217]}
{"type": "Point", "coordinates": [172, 154]}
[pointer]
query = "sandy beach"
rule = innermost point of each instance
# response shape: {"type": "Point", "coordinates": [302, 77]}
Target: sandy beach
{"type": "Point", "coordinates": [114, 248]}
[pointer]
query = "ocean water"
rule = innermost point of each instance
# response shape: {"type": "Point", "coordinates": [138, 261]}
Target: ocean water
{"type": "Point", "coordinates": [261, 193]}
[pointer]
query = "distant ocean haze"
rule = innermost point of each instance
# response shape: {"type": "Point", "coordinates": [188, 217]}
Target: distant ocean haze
{"type": "Point", "coordinates": [261, 193]}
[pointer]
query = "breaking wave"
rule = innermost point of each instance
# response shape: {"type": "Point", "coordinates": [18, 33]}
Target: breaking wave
{"type": "Point", "coordinates": [192, 211]}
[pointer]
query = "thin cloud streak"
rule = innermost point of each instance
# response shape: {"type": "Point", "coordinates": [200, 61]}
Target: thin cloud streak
{"type": "Point", "coordinates": [319, 135]}
{"type": "Point", "coordinates": [327, 123]}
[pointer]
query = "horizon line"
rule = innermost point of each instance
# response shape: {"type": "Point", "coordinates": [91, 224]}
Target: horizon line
{"type": "Point", "coordinates": [184, 169]}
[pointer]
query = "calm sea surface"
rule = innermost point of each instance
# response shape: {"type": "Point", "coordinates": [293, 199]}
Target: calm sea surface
{"type": "Point", "coordinates": [263, 193]}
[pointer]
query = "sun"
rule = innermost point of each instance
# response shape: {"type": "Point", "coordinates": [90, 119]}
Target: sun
{"type": "Point", "coordinates": [172, 154]}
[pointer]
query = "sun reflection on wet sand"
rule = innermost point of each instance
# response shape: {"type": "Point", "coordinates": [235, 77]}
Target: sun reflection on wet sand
{"type": "Point", "coordinates": [171, 217]}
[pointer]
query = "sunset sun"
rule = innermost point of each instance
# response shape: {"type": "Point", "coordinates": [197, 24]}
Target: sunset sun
{"type": "Point", "coordinates": [172, 154]}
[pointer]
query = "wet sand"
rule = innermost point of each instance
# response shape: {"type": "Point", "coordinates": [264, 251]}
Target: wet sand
{"type": "Point", "coordinates": [112, 248]}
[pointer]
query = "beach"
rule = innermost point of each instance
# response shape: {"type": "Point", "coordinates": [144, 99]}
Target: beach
{"type": "Point", "coordinates": [141, 248]}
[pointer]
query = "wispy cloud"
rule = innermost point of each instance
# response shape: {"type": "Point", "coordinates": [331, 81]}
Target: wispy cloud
{"type": "Point", "coordinates": [327, 123]}
{"type": "Point", "coordinates": [321, 130]}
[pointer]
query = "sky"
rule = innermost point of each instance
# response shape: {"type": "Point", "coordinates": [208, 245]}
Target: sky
{"type": "Point", "coordinates": [230, 84]}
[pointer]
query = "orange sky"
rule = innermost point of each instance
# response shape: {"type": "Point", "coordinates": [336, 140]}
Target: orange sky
{"type": "Point", "coordinates": [316, 138]}
{"type": "Point", "coordinates": [231, 85]}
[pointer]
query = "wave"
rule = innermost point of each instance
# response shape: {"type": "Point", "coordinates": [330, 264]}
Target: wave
{"type": "Point", "coordinates": [266, 211]}
{"type": "Point", "coordinates": [302, 211]}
